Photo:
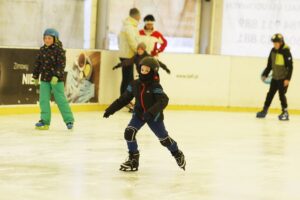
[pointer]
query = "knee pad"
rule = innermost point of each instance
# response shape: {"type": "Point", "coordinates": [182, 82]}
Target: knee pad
{"type": "Point", "coordinates": [168, 141]}
{"type": "Point", "coordinates": [130, 133]}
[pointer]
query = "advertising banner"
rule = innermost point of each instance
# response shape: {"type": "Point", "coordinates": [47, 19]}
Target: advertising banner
{"type": "Point", "coordinates": [16, 84]}
{"type": "Point", "coordinates": [249, 25]}
{"type": "Point", "coordinates": [82, 74]}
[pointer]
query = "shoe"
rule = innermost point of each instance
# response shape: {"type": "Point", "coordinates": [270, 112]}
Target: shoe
{"type": "Point", "coordinates": [284, 116]}
{"type": "Point", "coordinates": [41, 125]}
{"type": "Point", "coordinates": [70, 125]}
{"type": "Point", "coordinates": [132, 164]}
{"type": "Point", "coordinates": [262, 114]}
{"type": "Point", "coordinates": [180, 159]}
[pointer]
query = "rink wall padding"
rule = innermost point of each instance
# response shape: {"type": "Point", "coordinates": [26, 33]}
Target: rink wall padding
{"type": "Point", "coordinates": [197, 82]}
{"type": "Point", "coordinates": [206, 82]}
{"type": "Point", "coordinates": [30, 109]}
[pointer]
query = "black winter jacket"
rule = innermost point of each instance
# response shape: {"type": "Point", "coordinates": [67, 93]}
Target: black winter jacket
{"type": "Point", "coordinates": [279, 57]}
{"type": "Point", "coordinates": [50, 62]}
{"type": "Point", "coordinates": [136, 59]}
{"type": "Point", "coordinates": [149, 98]}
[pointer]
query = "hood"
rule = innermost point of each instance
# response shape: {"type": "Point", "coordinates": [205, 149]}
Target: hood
{"type": "Point", "coordinates": [285, 46]}
{"type": "Point", "coordinates": [131, 22]}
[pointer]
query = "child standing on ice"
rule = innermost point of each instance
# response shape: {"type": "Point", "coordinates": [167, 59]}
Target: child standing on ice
{"type": "Point", "coordinates": [150, 103]}
{"type": "Point", "coordinates": [281, 63]}
{"type": "Point", "coordinates": [50, 64]}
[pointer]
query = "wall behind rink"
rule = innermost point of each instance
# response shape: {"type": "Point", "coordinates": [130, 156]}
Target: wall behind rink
{"type": "Point", "coordinates": [205, 80]}
{"type": "Point", "coordinates": [196, 80]}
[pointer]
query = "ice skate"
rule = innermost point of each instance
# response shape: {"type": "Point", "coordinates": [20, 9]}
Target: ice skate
{"type": "Point", "coordinates": [70, 125]}
{"type": "Point", "coordinates": [132, 164]}
{"type": "Point", "coordinates": [262, 114]}
{"type": "Point", "coordinates": [180, 159]}
{"type": "Point", "coordinates": [41, 125]}
{"type": "Point", "coordinates": [284, 116]}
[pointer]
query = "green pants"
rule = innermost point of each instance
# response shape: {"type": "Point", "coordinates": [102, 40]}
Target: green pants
{"type": "Point", "coordinates": [60, 99]}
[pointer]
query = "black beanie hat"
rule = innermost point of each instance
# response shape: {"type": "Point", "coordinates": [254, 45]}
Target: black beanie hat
{"type": "Point", "coordinates": [148, 18]}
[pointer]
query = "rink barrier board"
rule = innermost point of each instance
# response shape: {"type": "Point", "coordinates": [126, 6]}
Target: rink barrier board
{"type": "Point", "coordinates": [211, 80]}
{"type": "Point", "coordinates": [234, 86]}
{"type": "Point", "coordinates": [31, 109]}
{"type": "Point", "coordinates": [226, 109]}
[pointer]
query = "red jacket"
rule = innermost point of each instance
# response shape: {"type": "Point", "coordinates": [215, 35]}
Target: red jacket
{"type": "Point", "coordinates": [156, 42]}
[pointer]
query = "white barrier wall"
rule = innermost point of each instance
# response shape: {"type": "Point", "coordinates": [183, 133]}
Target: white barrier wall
{"type": "Point", "coordinates": [192, 79]}
{"type": "Point", "coordinates": [205, 80]}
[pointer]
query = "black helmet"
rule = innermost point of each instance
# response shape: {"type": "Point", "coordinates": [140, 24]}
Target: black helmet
{"type": "Point", "coordinates": [277, 38]}
{"type": "Point", "coordinates": [149, 18]}
{"type": "Point", "coordinates": [150, 62]}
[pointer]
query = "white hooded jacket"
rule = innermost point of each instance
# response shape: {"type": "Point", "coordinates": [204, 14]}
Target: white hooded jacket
{"type": "Point", "coordinates": [128, 38]}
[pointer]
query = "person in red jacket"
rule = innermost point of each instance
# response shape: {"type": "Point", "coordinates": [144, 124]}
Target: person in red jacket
{"type": "Point", "coordinates": [154, 40]}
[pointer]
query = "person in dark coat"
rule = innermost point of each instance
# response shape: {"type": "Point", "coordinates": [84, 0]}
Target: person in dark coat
{"type": "Point", "coordinates": [280, 62]}
{"type": "Point", "coordinates": [151, 100]}
{"type": "Point", "coordinates": [136, 59]}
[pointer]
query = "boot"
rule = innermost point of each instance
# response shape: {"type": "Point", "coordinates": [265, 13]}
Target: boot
{"type": "Point", "coordinates": [180, 159]}
{"type": "Point", "coordinates": [262, 114]}
{"type": "Point", "coordinates": [41, 125]}
{"type": "Point", "coordinates": [284, 116]}
{"type": "Point", "coordinates": [70, 125]}
{"type": "Point", "coordinates": [132, 164]}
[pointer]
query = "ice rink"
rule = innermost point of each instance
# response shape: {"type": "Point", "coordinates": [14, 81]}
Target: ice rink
{"type": "Point", "coordinates": [230, 156]}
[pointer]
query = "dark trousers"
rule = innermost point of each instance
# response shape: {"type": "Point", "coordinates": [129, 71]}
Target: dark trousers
{"type": "Point", "coordinates": [276, 85]}
{"type": "Point", "coordinates": [127, 76]}
{"type": "Point", "coordinates": [158, 129]}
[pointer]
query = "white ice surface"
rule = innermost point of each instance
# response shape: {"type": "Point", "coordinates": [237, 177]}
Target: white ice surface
{"type": "Point", "coordinates": [230, 156]}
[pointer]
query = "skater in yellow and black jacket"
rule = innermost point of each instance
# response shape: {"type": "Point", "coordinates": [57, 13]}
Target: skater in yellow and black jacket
{"type": "Point", "coordinates": [280, 62]}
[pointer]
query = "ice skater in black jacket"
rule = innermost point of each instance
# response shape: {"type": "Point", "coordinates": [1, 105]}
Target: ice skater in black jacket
{"type": "Point", "coordinates": [150, 103]}
{"type": "Point", "coordinates": [280, 62]}
{"type": "Point", "coordinates": [136, 59]}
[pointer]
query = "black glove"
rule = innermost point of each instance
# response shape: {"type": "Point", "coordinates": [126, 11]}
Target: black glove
{"type": "Point", "coordinates": [168, 71]}
{"type": "Point", "coordinates": [107, 114]}
{"type": "Point", "coordinates": [117, 66]}
{"type": "Point", "coordinates": [147, 116]}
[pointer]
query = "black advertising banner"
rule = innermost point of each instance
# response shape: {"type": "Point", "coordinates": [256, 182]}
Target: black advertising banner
{"type": "Point", "coordinates": [16, 85]}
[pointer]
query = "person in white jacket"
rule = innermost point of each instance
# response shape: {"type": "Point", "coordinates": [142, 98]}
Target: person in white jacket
{"type": "Point", "coordinates": [128, 41]}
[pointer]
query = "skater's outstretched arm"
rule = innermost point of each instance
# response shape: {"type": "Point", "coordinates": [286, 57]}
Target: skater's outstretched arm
{"type": "Point", "coordinates": [122, 101]}
{"type": "Point", "coordinates": [125, 63]}
{"type": "Point", "coordinates": [162, 65]}
{"type": "Point", "coordinates": [269, 66]}
{"type": "Point", "coordinates": [128, 62]}
{"type": "Point", "coordinates": [161, 98]}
